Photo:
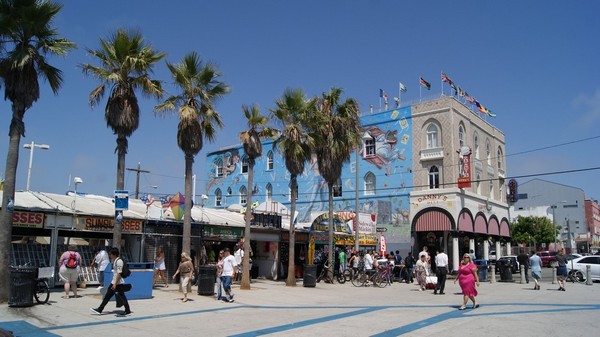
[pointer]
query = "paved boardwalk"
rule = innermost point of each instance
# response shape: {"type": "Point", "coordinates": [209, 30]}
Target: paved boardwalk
{"type": "Point", "coordinates": [271, 308]}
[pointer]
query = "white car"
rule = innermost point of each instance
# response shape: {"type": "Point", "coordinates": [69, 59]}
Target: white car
{"type": "Point", "coordinates": [581, 264]}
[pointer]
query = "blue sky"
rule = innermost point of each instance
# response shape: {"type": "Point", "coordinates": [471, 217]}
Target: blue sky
{"type": "Point", "coordinates": [534, 63]}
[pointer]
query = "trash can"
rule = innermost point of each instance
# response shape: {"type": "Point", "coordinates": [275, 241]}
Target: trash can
{"type": "Point", "coordinates": [309, 278]}
{"type": "Point", "coordinates": [254, 272]}
{"type": "Point", "coordinates": [207, 276]}
{"type": "Point", "coordinates": [505, 270]}
{"type": "Point", "coordinates": [482, 269]}
{"type": "Point", "coordinates": [22, 280]}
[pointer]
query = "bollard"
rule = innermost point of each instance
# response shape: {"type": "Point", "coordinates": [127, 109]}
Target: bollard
{"type": "Point", "coordinates": [493, 272]}
{"type": "Point", "coordinates": [522, 272]}
{"type": "Point", "coordinates": [554, 281]}
{"type": "Point", "coordinates": [588, 275]}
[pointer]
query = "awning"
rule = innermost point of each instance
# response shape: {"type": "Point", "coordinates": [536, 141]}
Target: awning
{"type": "Point", "coordinates": [480, 226]}
{"type": "Point", "coordinates": [465, 222]}
{"type": "Point", "coordinates": [433, 221]}
{"type": "Point", "coordinates": [504, 229]}
{"type": "Point", "coordinates": [493, 228]}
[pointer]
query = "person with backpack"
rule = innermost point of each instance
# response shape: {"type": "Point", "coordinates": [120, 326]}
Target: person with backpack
{"type": "Point", "coordinates": [117, 286]}
{"type": "Point", "coordinates": [69, 265]}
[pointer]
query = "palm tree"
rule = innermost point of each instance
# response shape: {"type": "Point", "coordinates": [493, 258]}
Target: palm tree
{"type": "Point", "coordinates": [251, 140]}
{"type": "Point", "coordinates": [200, 88]}
{"type": "Point", "coordinates": [337, 131]}
{"type": "Point", "coordinates": [126, 62]}
{"type": "Point", "coordinates": [26, 26]}
{"type": "Point", "coordinates": [295, 144]}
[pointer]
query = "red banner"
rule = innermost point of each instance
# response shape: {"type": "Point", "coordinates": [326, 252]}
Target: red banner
{"type": "Point", "coordinates": [464, 179]}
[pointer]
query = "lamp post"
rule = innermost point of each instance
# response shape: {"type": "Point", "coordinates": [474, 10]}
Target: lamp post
{"type": "Point", "coordinates": [366, 136]}
{"type": "Point", "coordinates": [31, 146]}
{"type": "Point", "coordinates": [76, 181]}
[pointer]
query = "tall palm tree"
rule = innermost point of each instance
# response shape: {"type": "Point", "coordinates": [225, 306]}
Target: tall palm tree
{"type": "Point", "coordinates": [25, 26]}
{"type": "Point", "coordinates": [295, 143]}
{"type": "Point", "coordinates": [251, 140]}
{"type": "Point", "coordinates": [336, 125]}
{"type": "Point", "coordinates": [126, 63]}
{"type": "Point", "coordinates": [200, 88]}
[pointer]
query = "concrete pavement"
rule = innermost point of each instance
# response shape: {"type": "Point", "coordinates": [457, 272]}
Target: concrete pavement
{"type": "Point", "coordinates": [271, 308]}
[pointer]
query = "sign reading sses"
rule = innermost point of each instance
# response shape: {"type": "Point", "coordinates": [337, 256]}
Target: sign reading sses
{"type": "Point", "coordinates": [100, 224]}
{"type": "Point", "coordinates": [28, 219]}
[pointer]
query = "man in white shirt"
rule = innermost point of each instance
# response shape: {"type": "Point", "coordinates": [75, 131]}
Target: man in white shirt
{"type": "Point", "coordinates": [441, 262]}
{"type": "Point", "coordinates": [369, 262]}
{"type": "Point", "coordinates": [117, 286]}
{"type": "Point", "coordinates": [239, 255]}
{"type": "Point", "coordinates": [229, 272]}
{"type": "Point", "coordinates": [101, 261]}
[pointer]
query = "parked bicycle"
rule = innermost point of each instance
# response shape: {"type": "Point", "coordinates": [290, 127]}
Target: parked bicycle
{"type": "Point", "coordinates": [41, 290]}
{"type": "Point", "coordinates": [324, 275]}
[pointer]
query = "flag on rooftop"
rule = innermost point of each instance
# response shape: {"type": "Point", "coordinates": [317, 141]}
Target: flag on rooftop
{"type": "Point", "coordinates": [446, 79]}
{"type": "Point", "coordinates": [424, 83]}
{"type": "Point", "coordinates": [402, 87]}
{"type": "Point", "coordinates": [484, 110]}
{"type": "Point", "coordinates": [381, 93]}
{"type": "Point", "coordinates": [461, 93]}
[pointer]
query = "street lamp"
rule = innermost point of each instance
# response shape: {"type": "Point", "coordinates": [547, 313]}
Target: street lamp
{"type": "Point", "coordinates": [77, 181]}
{"type": "Point", "coordinates": [31, 147]}
{"type": "Point", "coordinates": [366, 136]}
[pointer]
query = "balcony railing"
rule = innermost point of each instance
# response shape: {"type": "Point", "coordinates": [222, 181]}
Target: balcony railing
{"type": "Point", "coordinates": [432, 154]}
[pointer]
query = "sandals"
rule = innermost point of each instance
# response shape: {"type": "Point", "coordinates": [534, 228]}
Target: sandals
{"type": "Point", "coordinates": [475, 306]}
{"type": "Point", "coordinates": [184, 300]}
{"type": "Point", "coordinates": [462, 307]}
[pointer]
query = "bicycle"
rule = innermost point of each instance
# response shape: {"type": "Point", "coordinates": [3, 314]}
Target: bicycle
{"type": "Point", "coordinates": [324, 275]}
{"type": "Point", "coordinates": [41, 290]}
{"type": "Point", "coordinates": [576, 276]}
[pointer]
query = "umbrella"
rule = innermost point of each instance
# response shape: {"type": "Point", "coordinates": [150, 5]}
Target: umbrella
{"type": "Point", "coordinates": [177, 205]}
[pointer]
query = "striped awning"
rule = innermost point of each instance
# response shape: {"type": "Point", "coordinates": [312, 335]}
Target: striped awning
{"type": "Point", "coordinates": [465, 222]}
{"type": "Point", "coordinates": [480, 226]}
{"type": "Point", "coordinates": [433, 221]}
{"type": "Point", "coordinates": [504, 229]}
{"type": "Point", "coordinates": [493, 227]}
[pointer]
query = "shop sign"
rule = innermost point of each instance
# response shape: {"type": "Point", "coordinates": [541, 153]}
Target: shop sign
{"type": "Point", "coordinates": [28, 219]}
{"type": "Point", "coordinates": [103, 224]}
{"type": "Point", "coordinates": [299, 237]}
{"type": "Point", "coordinates": [225, 233]}
{"type": "Point", "coordinates": [321, 223]}
{"type": "Point", "coordinates": [367, 239]}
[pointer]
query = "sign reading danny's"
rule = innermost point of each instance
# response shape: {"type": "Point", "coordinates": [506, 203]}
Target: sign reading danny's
{"type": "Point", "coordinates": [464, 172]}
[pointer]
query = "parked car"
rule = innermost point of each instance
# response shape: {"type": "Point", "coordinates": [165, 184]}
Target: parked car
{"type": "Point", "coordinates": [547, 257]}
{"type": "Point", "coordinates": [492, 256]}
{"type": "Point", "coordinates": [512, 260]}
{"type": "Point", "coordinates": [581, 264]}
{"type": "Point", "coordinates": [573, 256]}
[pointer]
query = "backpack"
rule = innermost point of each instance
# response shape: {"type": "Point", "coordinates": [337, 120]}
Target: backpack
{"type": "Point", "coordinates": [72, 261]}
{"type": "Point", "coordinates": [125, 272]}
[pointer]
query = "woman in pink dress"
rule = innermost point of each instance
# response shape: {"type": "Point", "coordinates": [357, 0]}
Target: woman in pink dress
{"type": "Point", "coordinates": [468, 280]}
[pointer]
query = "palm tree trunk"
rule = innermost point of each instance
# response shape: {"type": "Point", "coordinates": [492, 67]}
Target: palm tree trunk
{"type": "Point", "coordinates": [6, 222]}
{"type": "Point", "coordinates": [245, 284]}
{"type": "Point", "coordinates": [331, 229]}
{"type": "Point", "coordinates": [187, 212]}
{"type": "Point", "coordinates": [121, 152]}
{"type": "Point", "coordinates": [291, 278]}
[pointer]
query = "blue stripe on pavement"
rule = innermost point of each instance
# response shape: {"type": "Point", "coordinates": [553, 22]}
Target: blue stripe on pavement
{"type": "Point", "coordinates": [23, 328]}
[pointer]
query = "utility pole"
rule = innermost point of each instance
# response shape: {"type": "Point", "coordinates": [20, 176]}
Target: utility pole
{"type": "Point", "coordinates": [137, 178]}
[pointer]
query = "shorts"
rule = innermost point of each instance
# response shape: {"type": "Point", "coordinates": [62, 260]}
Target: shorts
{"type": "Point", "coordinates": [561, 272]}
{"type": "Point", "coordinates": [68, 274]}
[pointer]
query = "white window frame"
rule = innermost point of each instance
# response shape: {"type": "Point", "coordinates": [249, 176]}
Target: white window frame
{"type": "Point", "coordinates": [488, 152]}
{"type": "Point", "coordinates": [433, 136]}
{"type": "Point", "coordinates": [370, 148]}
{"type": "Point", "coordinates": [270, 161]}
{"type": "Point", "coordinates": [434, 177]}
{"type": "Point", "coordinates": [476, 145]}
{"type": "Point", "coordinates": [370, 182]}
{"type": "Point", "coordinates": [245, 164]}
{"type": "Point", "coordinates": [218, 197]}
{"type": "Point", "coordinates": [243, 195]}
{"type": "Point", "coordinates": [500, 158]}
{"type": "Point", "coordinates": [269, 192]}
{"type": "Point", "coordinates": [219, 169]}
{"type": "Point", "coordinates": [461, 136]}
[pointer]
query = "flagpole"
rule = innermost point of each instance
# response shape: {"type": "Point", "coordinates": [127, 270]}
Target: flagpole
{"type": "Point", "coordinates": [442, 84]}
{"type": "Point", "coordinates": [379, 103]}
{"type": "Point", "coordinates": [420, 90]}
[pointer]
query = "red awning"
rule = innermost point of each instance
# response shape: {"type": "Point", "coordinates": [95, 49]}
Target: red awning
{"type": "Point", "coordinates": [465, 222]}
{"type": "Point", "coordinates": [480, 226]}
{"type": "Point", "coordinates": [504, 229]}
{"type": "Point", "coordinates": [433, 221]}
{"type": "Point", "coordinates": [493, 228]}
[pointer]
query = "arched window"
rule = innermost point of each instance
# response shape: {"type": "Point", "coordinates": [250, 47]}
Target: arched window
{"type": "Point", "coordinates": [245, 164]}
{"type": "Point", "coordinates": [243, 195]}
{"type": "Point", "coordinates": [476, 145]}
{"type": "Point", "coordinates": [461, 136]}
{"type": "Point", "coordinates": [500, 159]}
{"type": "Point", "coordinates": [218, 197]}
{"type": "Point", "coordinates": [337, 188]}
{"type": "Point", "coordinates": [229, 191]}
{"type": "Point", "coordinates": [432, 136]}
{"type": "Point", "coordinates": [488, 152]}
{"type": "Point", "coordinates": [478, 183]}
{"type": "Point", "coordinates": [491, 180]}
{"type": "Point", "coordinates": [434, 177]}
{"type": "Point", "coordinates": [370, 184]}
{"type": "Point", "coordinates": [270, 160]}
{"type": "Point", "coordinates": [269, 192]}
{"type": "Point", "coordinates": [219, 168]}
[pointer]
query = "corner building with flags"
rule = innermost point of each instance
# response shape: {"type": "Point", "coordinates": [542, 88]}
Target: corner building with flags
{"type": "Point", "coordinates": [428, 174]}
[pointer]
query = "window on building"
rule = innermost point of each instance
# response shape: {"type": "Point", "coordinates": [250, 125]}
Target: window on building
{"type": "Point", "coordinates": [476, 145]}
{"type": "Point", "coordinates": [269, 192]}
{"type": "Point", "coordinates": [488, 152]}
{"type": "Point", "coordinates": [434, 177]}
{"type": "Point", "coordinates": [478, 183]}
{"type": "Point", "coordinates": [218, 197]}
{"type": "Point", "coordinates": [243, 195]}
{"type": "Point", "coordinates": [245, 164]}
{"type": "Point", "coordinates": [369, 147]}
{"type": "Point", "coordinates": [337, 188]}
{"type": "Point", "coordinates": [500, 159]}
{"type": "Point", "coordinates": [270, 160]}
{"type": "Point", "coordinates": [501, 190]}
{"type": "Point", "coordinates": [491, 181]}
{"type": "Point", "coordinates": [432, 136]}
{"type": "Point", "coordinates": [461, 135]}
{"type": "Point", "coordinates": [370, 183]}
{"type": "Point", "coordinates": [219, 168]}
{"type": "Point", "coordinates": [229, 192]}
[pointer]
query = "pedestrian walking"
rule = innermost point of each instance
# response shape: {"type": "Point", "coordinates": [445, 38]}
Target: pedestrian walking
{"type": "Point", "coordinates": [441, 262]}
{"type": "Point", "coordinates": [69, 266]}
{"type": "Point", "coordinates": [422, 270]}
{"type": "Point", "coordinates": [186, 272]}
{"type": "Point", "coordinates": [229, 273]}
{"type": "Point", "coordinates": [160, 267]}
{"type": "Point", "coordinates": [536, 269]}
{"type": "Point", "coordinates": [219, 274]}
{"type": "Point", "coordinates": [101, 261]}
{"type": "Point", "coordinates": [117, 286]}
{"type": "Point", "coordinates": [468, 281]}
{"type": "Point", "coordinates": [561, 271]}
{"type": "Point", "coordinates": [523, 260]}
{"type": "Point", "coordinates": [409, 264]}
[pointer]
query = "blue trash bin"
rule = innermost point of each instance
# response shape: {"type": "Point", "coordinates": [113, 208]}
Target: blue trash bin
{"type": "Point", "coordinates": [482, 269]}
